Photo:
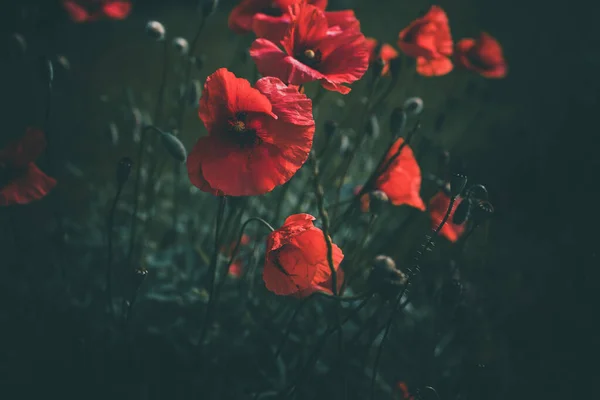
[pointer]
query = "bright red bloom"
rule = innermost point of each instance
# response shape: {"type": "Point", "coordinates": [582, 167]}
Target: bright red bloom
{"type": "Point", "coordinates": [268, 12]}
{"type": "Point", "coordinates": [438, 205]}
{"type": "Point", "coordinates": [313, 52]}
{"type": "Point", "coordinates": [483, 56]}
{"type": "Point", "coordinates": [257, 137]}
{"type": "Point", "coordinates": [296, 257]}
{"type": "Point", "coordinates": [429, 40]}
{"type": "Point", "coordinates": [93, 10]}
{"type": "Point", "coordinates": [385, 52]}
{"type": "Point", "coordinates": [324, 287]}
{"type": "Point", "coordinates": [21, 181]}
{"type": "Point", "coordinates": [401, 180]}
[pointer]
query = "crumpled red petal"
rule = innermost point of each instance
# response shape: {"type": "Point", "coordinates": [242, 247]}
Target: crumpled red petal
{"type": "Point", "coordinates": [32, 185]}
{"type": "Point", "coordinates": [117, 9]}
{"type": "Point", "coordinates": [438, 205]}
{"type": "Point", "coordinates": [25, 150]}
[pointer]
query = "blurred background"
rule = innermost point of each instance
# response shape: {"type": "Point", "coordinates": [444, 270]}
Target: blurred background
{"type": "Point", "coordinates": [531, 138]}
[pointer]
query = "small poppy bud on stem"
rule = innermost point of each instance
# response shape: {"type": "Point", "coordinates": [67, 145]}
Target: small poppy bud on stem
{"type": "Point", "coordinates": [181, 45]}
{"type": "Point", "coordinates": [174, 146]}
{"type": "Point", "coordinates": [462, 212]}
{"type": "Point", "coordinates": [457, 184]}
{"type": "Point", "coordinates": [413, 105]}
{"type": "Point", "coordinates": [385, 277]}
{"type": "Point", "coordinates": [397, 121]}
{"type": "Point", "coordinates": [124, 170]}
{"type": "Point", "coordinates": [155, 30]}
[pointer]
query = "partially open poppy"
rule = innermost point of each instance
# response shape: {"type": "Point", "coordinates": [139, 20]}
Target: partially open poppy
{"type": "Point", "coordinates": [384, 52]}
{"type": "Point", "coordinates": [313, 52]}
{"type": "Point", "coordinates": [429, 40]}
{"type": "Point", "coordinates": [482, 55]}
{"type": "Point", "coordinates": [438, 205]}
{"type": "Point", "coordinates": [92, 10]}
{"type": "Point", "coordinates": [21, 181]}
{"type": "Point", "coordinates": [271, 13]}
{"type": "Point", "coordinates": [401, 180]}
{"type": "Point", "coordinates": [296, 258]}
{"type": "Point", "coordinates": [257, 137]}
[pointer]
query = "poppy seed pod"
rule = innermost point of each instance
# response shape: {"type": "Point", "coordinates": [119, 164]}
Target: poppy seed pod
{"type": "Point", "coordinates": [413, 105]}
{"type": "Point", "coordinates": [457, 184]}
{"type": "Point", "coordinates": [385, 277]}
{"type": "Point", "coordinates": [482, 211]}
{"type": "Point", "coordinates": [174, 146]}
{"type": "Point", "coordinates": [462, 212]}
{"type": "Point", "coordinates": [181, 45]}
{"type": "Point", "coordinates": [123, 170]}
{"type": "Point", "coordinates": [397, 121]}
{"type": "Point", "coordinates": [207, 7]}
{"type": "Point", "coordinates": [372, 127]}
{"type": "Point", "coordinates": [330, 127]}
{"type": "Point", "coordinates": [377, 200]}
{"type": "Point", "coordinates": [155, 30]}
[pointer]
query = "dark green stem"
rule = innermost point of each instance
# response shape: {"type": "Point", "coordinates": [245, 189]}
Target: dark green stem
{"type": "Point", "coordinates": [109, 234]}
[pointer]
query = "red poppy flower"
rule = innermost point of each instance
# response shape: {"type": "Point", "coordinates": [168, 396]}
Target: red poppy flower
{"type": "Point", "coordinates": [438, 205]}
{"type": "Point", "coordinates": [269, 13]}
{"type": "Point", "coordinates": [483, 56]}
{"type": "Point", "coordinates": [257, 137]}
{"type": "Point", "coordinates": [296, 257]}
{"type": "Point", "coordinates": [385, 52]}
{"type": "Point", "coordinates": [313, 52]}
{"type": "Point", "coordinates": [324, 287]}
{"type": "Point", "coordinates": [21, 181]}
{"type": "Point", "coordinates": [429, 40]}
{"type": "Point", "coordinates": [401, 181]}
{"type": "Point", "coordinates": [92, 10]}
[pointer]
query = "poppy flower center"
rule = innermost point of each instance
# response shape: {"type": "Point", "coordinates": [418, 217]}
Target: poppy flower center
{"type": "Point", "coordinates": [240, 132]}
{"type": "Point", "coordinates": [309, 57]}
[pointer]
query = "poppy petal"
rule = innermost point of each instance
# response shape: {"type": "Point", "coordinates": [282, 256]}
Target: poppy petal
{"type": "Point", "coordinates": [194, 166]}
{"type": "Point", "coordinates": [345, 19]}
{"type": "Point", "coordinates": [434, 67]}
{"type": "Point", "coordinates": [438, 205]}
{"type": "Point", "coordinates": [76, 12]}
{"type": "Point", "coordinates": [25, 150]}
{"type": "Point", "coordinates": [117, 9]}
{"type": "Point", "coordinates": [30, 186]}
{"type": "Point", "coordinates": [298, 273]}
{"type": "Point", "coordinates": [269, 27]}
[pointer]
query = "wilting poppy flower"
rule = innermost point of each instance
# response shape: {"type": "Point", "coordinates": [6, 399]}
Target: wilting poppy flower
{"type": "Point", "coordinates": [296, 257]}
{"type": "Point", "coordinates": [429, 40]}
{"type": "Point", "coordinates": [257, 137]}
{"type": "Point", "coordinates": [483, 56]}
{"type": "Point", "coordinates": [92, 10]}
{"type": "Point", "coordinates": [313, 52]}
{"type": "Point", "coordinates": [385, 52]}
{"type": "Point", "coordinates": [21, 181]}
{"type": "Point", "coordinates": [271, 13]}
{"type": "Point", "coordinates": [438, 205]}
{"type": "Point", "coordinates": [401, 180]}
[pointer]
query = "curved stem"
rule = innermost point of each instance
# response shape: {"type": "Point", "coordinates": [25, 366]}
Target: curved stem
{"type": "Point", "coordinates": [213, 269]}
{"type": "Point", "coordinates": [111, 218]}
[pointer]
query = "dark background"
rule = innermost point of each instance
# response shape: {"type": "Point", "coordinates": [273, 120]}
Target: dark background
{"type": "Point", "coordinates": [534, 145]}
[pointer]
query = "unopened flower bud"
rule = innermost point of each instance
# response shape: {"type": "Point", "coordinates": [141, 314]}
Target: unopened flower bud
{"type": "Point", "coordinates": [181, 45]}
{"type": "Point", "coordinates": [385, 277]}
{"type": "Point", "coordinates": [482, 211]}
{"type": "Point", "coordinates": [123, 170]}
{"type": "Point", "coordinates": [457, 184]}
{"type": "Point", "coordinates": [397, 121]}
{"type": "Point", "coordinates": [155, 30]}
{"type": "Point", "coordinates": [372, 127]}
{"type": "Point", "coordinates": [413, 105]}
{"type": "Point", "coordinates": [462, 212]}
{"type": "Point", "coordinates": [330, 127]}
{"type": "Point", "coordinates": [377, 200]}
{"type": "Point", "coordinates": [193, 93]}
{"type": "Point", "coordinates": [207, 7]}
{"type": "Point", "coordinates": [174, 146]}
{"type": "Point", "coordinates": [478, 192]}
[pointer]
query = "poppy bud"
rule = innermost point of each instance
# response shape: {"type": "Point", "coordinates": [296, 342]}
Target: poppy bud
{"type": "Point", "coordinates": [395, 67]}
{"type": "Point", "coordinates": [482, 211]}
{"type": "Point", "coordinates": [478, 191]}
{"type": "Point", "coordinates": [377, 200]}
{"type": "Point", "coordinates": [207, 7]}
{"type": "Point", "coordinates": [413, 105]}
{"type": "Point", "coordinates": [181, 45]}
{"type": "Point", "coordinates": [385, 277]}
{"type": "Point", "coordinates": [193, 93]}
{"type": "Point", "coordinates": [330, 127]}
{"type": "Point", "coordinates": [174, 146]}
{"type": "Point", "coordinates": [372, 128]}
{"type": "Point", "coordinates": [155, 30]}
{"type": "Point", "coordinates": [397, 121]}
{"type": "Point", "coordinates": [462, 212]}
{"type": "Point", "coordinates": [123, 170]}
{"type": "Point", "coordinates": [457, 184]}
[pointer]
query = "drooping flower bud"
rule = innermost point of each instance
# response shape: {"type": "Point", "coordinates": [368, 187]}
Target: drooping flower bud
{"type": "Point", "coordinates": [174, 146]}
{"type": "Point", "coordinates": [192, 93]}
{"type": "Point", "coordinates": [457, 184]}
{"type": "Point", "coordinates": [377, 200]}
{"type": "Point", "coordinates": [482, 211]}
{"type": "Point", "coordinates": [385, 278]}
{"type": "Point", "coordinates": [413, 105]}
{"type": "Point", "coordinates": [478, 192]}
{"type": "Point", "coordinates": [372, 127]}
{"type": "Point", "coordinates": [155, 30]}
{"type": "Point", "coordinates": [181, 45]}
{"type": "Point", "coordinates": [397, 121]}
{"type": "Point", "coordinates": [330, 127]}
{"type": "Point", "coordinates": [123, 170]}
{"type": "Point", "coordinates": [462, 212]}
